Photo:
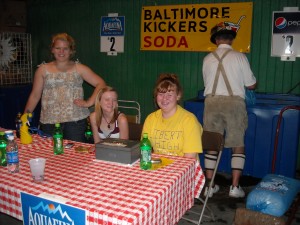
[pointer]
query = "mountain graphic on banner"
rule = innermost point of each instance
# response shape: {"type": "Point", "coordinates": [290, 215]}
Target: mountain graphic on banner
{"type": "Point", "coordinates": [50, 208]}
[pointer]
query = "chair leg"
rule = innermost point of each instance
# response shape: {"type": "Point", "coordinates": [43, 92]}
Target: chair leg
{"type": "Point", "coordinates": [209, 187]}
{"type": "Point", "coordinates": [212, 216]}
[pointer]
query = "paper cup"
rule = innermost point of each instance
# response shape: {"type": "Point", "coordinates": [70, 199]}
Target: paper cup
{"type": "Point", "coordinates": [37, 167]}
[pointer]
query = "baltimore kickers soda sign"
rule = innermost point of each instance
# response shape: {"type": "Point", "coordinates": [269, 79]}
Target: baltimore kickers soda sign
{"type": "Point", "coordinates": [40, 211]}
{"type": "Point", "coordinates": [187, 27]}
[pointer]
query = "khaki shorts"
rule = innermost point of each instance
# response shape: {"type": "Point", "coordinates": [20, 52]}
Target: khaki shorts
{"type": "Point", "coordinates": [226, 113]}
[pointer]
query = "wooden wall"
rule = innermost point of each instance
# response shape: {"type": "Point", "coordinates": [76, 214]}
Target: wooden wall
{"type": "Point", "coordinates": [134, 72]}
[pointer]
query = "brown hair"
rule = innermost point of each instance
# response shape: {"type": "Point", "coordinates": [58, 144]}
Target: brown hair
{"type": "Point", "coordinates": [167, 82]}
{"type": "Point", "coordinates": [64, 37]}
{"type": "Point", "coordinates": [98, 109]}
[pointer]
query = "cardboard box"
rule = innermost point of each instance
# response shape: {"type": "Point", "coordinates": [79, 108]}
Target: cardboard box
{"type": "Point", "coordinates": [118, 150]}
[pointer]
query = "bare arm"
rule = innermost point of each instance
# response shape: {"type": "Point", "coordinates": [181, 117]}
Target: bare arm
{"type": "Point", "coordinates": [94, 127]}
{"type": "Point", "coordinates": [93, 79]}
{"type": "Point", "coordinates": [36, 91]}
{"type": "Point", "coordinates": [123, 126]}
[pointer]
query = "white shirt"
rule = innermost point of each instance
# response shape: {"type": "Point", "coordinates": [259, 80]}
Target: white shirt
{"type": "Point", "coordinates": [237, 69]}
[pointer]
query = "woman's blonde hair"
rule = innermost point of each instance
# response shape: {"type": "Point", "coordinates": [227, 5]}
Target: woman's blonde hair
{"type": "Point", "coordinates": [64, 37]}
{"type": "Point", "coordinates": [98, 109]}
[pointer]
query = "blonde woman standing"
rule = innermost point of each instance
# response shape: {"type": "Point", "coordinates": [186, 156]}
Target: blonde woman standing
{"type": "Point", "coordinates": [58, 84]}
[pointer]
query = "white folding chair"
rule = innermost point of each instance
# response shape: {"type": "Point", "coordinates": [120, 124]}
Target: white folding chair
{"type": "Point", "coordinates": [134, 107]}
{"type": "Point", "coordinates": [133, 113]}
{"type": "Point", "coordinates": [211, 141]}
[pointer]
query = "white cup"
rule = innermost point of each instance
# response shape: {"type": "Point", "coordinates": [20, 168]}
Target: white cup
{"type": "Point", "coordinates": [37, 167]}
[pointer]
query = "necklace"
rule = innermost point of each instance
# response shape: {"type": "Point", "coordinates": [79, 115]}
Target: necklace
{"type": "Point", "coordinates": [108, 123]}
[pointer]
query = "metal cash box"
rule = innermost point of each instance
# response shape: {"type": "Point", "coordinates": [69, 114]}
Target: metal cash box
{"type": "Point", "coordinates": [118, 150]}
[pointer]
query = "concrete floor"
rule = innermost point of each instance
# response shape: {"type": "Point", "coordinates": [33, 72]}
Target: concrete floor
{"type": "Point", "coordinates": [222, 205]}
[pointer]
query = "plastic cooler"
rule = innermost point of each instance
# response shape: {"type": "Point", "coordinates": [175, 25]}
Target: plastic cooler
{"type": "Point", "coordinates": [260, 135]}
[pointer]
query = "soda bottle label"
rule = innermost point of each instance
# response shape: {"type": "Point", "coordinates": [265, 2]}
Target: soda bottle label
{"type": "Point", "coordinates": [146, 153]}
{"type": "Point", "coordinates": [146, 157]}
{"type": "Point", "coordinates": [12, 157]}
{"type": "Point", "coordinates": [58, 143]}
{"type": "Point", "coordinates": [145, 162]}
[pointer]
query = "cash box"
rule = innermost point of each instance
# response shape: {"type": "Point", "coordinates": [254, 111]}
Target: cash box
{"type": "Point", "coordinates": [118, 150]}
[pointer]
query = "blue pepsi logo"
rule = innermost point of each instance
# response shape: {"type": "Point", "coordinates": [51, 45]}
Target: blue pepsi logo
{"type": "Point", "coordinates": [280, 22]}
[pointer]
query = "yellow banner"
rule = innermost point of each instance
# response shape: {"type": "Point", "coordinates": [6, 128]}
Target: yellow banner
{"type": "Point", "coordinates": [187, 27]}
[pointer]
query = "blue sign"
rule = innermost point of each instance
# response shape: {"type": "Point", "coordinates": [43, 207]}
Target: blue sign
{"type": "Point", "coordinates": [112, 26]}
{"type": "Point", "coordinates": [40, 211]}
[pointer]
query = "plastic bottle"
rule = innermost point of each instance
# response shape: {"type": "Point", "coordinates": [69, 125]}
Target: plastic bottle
{"type": "Point", "coordinates": [8, 133]}
{"type": "Point", "coordinates": [88, 133]}
{"type": "Point", "coordinates": [146, 149]}
{"type": "Point", "coordinates": [250, 97]}
{"type": "Point", "coordinates": [12, 155]}
{"type": "Point", "coordinates": [26, 137]}
{"type": "Point", "coordinates": [3, 144]}
{"type": "Point", "coordinates": [58, 143]}
{"type": "Point", "coordinates": [18, 124]}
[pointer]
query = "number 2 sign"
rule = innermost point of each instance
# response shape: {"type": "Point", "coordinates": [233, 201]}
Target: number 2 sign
{"type": "Point", "coordinates": [112, 34]}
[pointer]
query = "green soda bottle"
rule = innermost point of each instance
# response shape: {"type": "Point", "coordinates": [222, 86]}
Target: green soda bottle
{"type": "Point", "coordinates": [3, 144]}
{"type": "Point", "coordinates": [58, 143]}
{"type": "Point", "coordinates": [88, 133]}
{"type": "Point", "coordinates": [146, 149]}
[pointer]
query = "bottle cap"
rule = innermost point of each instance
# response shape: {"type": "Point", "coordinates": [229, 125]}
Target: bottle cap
{"type": "Point", "coordinates": [145, 135]}
{"type": "Point", "coordinates": [10, 138]}
{"type": "Point", "coordinates": [57, 125]}
{"type": "Point", "coordinates": [8, 133]}
{"type": "Point", "coordinates": [2, 133]}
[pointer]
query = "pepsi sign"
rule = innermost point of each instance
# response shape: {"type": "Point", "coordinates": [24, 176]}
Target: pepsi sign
{"type": "Point", "coordinates": [286, 22]}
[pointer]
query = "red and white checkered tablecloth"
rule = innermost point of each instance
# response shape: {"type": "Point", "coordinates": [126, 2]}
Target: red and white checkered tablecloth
{"type": "Point", "coordinates": [111, 193]}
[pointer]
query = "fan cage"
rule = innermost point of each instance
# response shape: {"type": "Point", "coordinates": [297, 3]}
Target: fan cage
{"type": "Point", "coordinates": [15, 58]}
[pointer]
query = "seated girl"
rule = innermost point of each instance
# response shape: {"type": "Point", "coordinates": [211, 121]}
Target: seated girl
{"type": "Point", "coordinates": [107, 121]}
{"type": "Point", "coordinates": [171, 129]}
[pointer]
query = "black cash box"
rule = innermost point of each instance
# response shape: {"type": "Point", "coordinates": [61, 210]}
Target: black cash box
{"type": "Point", "coordinates": [118, 150]}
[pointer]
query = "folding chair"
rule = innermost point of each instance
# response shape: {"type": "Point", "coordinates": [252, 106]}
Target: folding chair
{"type": "Point", "coordinates": [131, 106]}
{"type": "Point", "coordinates": [135, 131]}
{"type": "Point", "coordinates": [211, 141]}
{"type": "Point", "coordinates": [133, 113]}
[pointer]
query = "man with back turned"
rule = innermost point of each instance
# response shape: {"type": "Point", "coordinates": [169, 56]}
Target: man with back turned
{"type": "Point", "coordinates": [226, 74]}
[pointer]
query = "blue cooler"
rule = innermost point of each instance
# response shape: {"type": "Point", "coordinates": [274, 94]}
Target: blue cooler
{"type": "Point", "coordinates": [260, 135]}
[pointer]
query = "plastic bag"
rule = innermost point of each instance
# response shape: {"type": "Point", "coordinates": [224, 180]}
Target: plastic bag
{"type": "Point", "coordinates": [250, 97]}
{"type": "Point", "coordinates": [273, 195]}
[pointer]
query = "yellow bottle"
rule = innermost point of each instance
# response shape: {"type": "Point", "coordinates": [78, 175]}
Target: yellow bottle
{"type": "Point", "coordinates": [24, 130]}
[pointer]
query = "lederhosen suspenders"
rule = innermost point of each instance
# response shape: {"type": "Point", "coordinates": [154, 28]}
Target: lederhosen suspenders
{"type": "Point", "coordinates": [221, 70]}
